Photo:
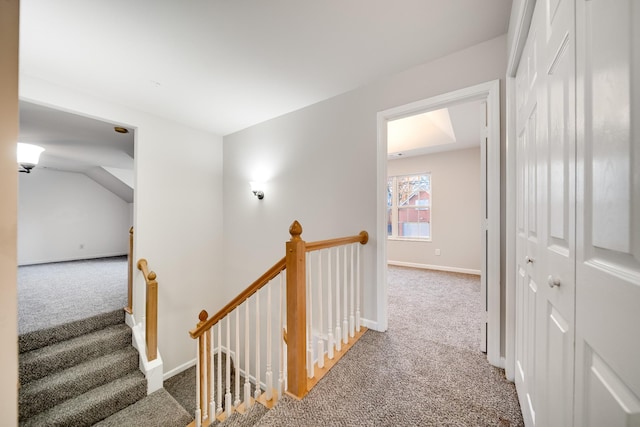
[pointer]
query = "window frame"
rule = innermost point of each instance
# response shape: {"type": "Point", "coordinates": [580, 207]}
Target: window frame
{"type": "Point", "coordinates": [393, 216]}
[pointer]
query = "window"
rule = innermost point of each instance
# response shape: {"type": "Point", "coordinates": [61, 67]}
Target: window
{"type": "Point", "coordinates": [409, 206]}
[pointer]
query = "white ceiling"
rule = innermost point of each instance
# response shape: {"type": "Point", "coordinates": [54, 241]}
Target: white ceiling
{"type": "Point", "coordinates": [224, 65]}
{"type": "Point", "coordinates": [74, 143]}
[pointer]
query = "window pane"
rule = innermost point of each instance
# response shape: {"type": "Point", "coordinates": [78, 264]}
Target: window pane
{"type": "Point", "coordinates": [414, 222]}
{"type": "Point", "coordinates": [413, 190]}
{"type": "Point", "coordinates": [389, 191]}
{"type": "Point", "coordinates": [389, 226]}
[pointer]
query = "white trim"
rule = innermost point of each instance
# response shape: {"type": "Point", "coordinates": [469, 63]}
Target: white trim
{"type": "Point", "coordinates": [510, 256]}
{"type": "Point", "coordinates": [73, 258]}
{"type": "Point", "coordinates": [152, 370]}
{"type": "Point", "coordinates": [521, 19]}
{"type": "Point", "coordinates": [490, 91]}
{"type": "Point", "coordinates": [179, 369]}
{"type": "Point", "coordinates": [370, 324]}
{"type": "Point", "coordinates": [435, 267]}
{"type": "Point", "coordinates": [381, 224]}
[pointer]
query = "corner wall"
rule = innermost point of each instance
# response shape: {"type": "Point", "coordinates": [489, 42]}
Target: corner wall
{"type": "Point", "coordinates": [9, 19]}
{"type": "Point", "coordinates": [64, 216]}
{"type": "Point", "coordinates": [319, 165]}
{"type": "Point", "coordinates": [455, 212]}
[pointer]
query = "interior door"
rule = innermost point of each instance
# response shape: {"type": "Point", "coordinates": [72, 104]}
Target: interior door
{"type": "Point", "coordinates": [545, 248]}
{"type": "Point", "coordinates": [556, 257]}
{"type": "Point", "coordinates": [527, 227]}
{"type": "Point", "coordinates": [608, 220]}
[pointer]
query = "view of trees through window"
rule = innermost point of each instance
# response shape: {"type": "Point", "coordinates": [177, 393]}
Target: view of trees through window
{"type": "Point", "coordinates": [409, 206]}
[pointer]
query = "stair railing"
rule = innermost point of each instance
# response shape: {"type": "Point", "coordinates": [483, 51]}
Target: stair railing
{"type": "Point", "coordinates": [288, 310]}
{"type": "Point", "coordinates": [151, 310]}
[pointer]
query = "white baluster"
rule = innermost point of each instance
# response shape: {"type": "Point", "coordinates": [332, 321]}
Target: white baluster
{"type": "Point", "coordinates": [205, 386]}
{"type": "Point", "coordinates": [358, 287]}
{"type": "Point", "coordinates": [268, 376]}
{"type": "Point", "coordinates": [330, 343]}
{"type": "Point", "coordinates": [247, 384]}
{"type": "Point", "coordinates": [338, 335]}
{"type": "Point", "coordinates": [281, 306]}
{"type": "Point", "coordinates": [345, 284]}
{"type": "Point", "coordinates": [227, 397]}
{"type": "Point", "coordinates": [212, 400]}
{"type": "Point", "coordinates": [198, 414]}
{"type": "Point", "coordinates": [256, 393]}
{"type": "Point", "coordinates": [219, 410]}
{"type": "Point", "coordinates": [320, 338]}
{"type": "Point", "coordinates": [236, 402]}
{"type": "Point", "coordinates": [352, 323]}
{"type": "Point", "coordinates": [309, 321]}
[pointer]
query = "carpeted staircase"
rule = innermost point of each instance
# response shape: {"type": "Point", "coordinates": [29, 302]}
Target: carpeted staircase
{"type": "Point", "coordinates": [86, 372]}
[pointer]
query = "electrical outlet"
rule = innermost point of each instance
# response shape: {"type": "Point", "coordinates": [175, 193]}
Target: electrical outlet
{"type": "Point", "coordinates": [438, 252]}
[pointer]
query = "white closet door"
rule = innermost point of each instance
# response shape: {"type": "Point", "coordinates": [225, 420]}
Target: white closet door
{"type": "Point", "coordinates": [556, 264]}
{"type": "Point", "coordinates": [608, 214]}
{"type": "Point", "coordinates": [527, 226]}
{"type": "Point", "coordinates": [545, 252]}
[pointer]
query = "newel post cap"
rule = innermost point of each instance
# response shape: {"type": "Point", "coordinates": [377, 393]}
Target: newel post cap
{"type": "Point", "coordinates": [295, 230]}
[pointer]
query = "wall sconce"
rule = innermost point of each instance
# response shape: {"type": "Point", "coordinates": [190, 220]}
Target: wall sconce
{"type": "Point", "coordinates": [257, 189]}
{"type": "Point", "coordinates": [28, 156]}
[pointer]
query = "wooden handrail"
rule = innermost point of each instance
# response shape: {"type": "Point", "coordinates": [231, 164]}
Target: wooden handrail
{"type": "Point", "coordinates": [151, 330]}
{"type": "Point", "coordinates": [361, 238]}
{"type": "Point", "coordinates": [129, 307]}
{"type": "Point", "coordinates": [294, 335]}
{"type": "Point", "coordinates": [250, 290]}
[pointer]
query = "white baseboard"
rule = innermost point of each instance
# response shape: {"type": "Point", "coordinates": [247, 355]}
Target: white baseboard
{"type": "Point", "coordinates": [179, 369]}
{"type": "Point", "coordinates": [370, 324]}
{"type": "Point", "coordinates": [435, 267]}
{"type": "Point", "coordinates": [73, 258]}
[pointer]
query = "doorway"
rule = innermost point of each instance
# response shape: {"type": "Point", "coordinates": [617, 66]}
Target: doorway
{"type": "Point", "coordinates": [76, 205]}
{"type": "Point", "coordinates": [488, 95]}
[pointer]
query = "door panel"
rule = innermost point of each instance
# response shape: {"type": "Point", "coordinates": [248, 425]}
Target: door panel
{"type": "Point", "coordinates": [527, 219]}
{"type": "Point", "coordinates": [608, 220]}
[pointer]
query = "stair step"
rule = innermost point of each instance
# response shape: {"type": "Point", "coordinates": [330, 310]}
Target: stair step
{"type": "Point", "coordinates": [49, 391]}
{"type": "Point", "coordinates": [41, 362]}
{"type": "Point", "coordinates": [94, 405]}
{"type": "Point", "coordinates": [157, 409]}
{"type": "Point", "coordinates": [42, 338]}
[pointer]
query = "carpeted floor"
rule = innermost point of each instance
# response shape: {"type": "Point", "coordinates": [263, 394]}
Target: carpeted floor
{"type": "Point", "coordinates": [57, 293]}
{"type": "Point", "coordinates": [425, 370]}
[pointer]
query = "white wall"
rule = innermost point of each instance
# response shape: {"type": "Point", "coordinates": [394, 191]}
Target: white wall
{"type": "Point", "coordinates": [177, 211]}
{"type": "Point", "coordinates": [9, 18]}
{"type": "Point", "coordinates": [455, 212]}
{"type": "Point", "coordinates": [319, 164]}
{"type": "Point", "coordinates": [66, 215]}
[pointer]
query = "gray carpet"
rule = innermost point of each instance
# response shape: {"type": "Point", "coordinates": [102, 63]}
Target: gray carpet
{"type": "Point", "coordinates": [78, 373]}
{"type": "Point", "coordinates": [158, 409]}
{"type": "Point", "coordinates": [58, 293]}
{"type": "Point", "coordinates": [426, 370]}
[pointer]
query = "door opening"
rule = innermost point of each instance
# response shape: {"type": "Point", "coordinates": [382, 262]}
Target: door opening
{"type": "Point", "coordinates": [487, 96]}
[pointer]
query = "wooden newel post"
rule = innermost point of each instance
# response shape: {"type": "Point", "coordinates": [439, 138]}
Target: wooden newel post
{"type": "Point", "coordinates": [129, 307]}
{"type": "Point", "coordinates": [152, 317]}
{"type": "Point", "coordinates": [296, 312]}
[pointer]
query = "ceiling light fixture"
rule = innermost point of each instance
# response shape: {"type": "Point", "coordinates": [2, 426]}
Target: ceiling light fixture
{"type": "Point", "coordinates": [120, 129]}
{"type": "Point", "coordinates": [28, 156]}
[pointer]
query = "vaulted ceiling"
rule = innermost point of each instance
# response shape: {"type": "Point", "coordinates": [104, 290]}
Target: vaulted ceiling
{"type": "Point", "coordinates": [224, 65]}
